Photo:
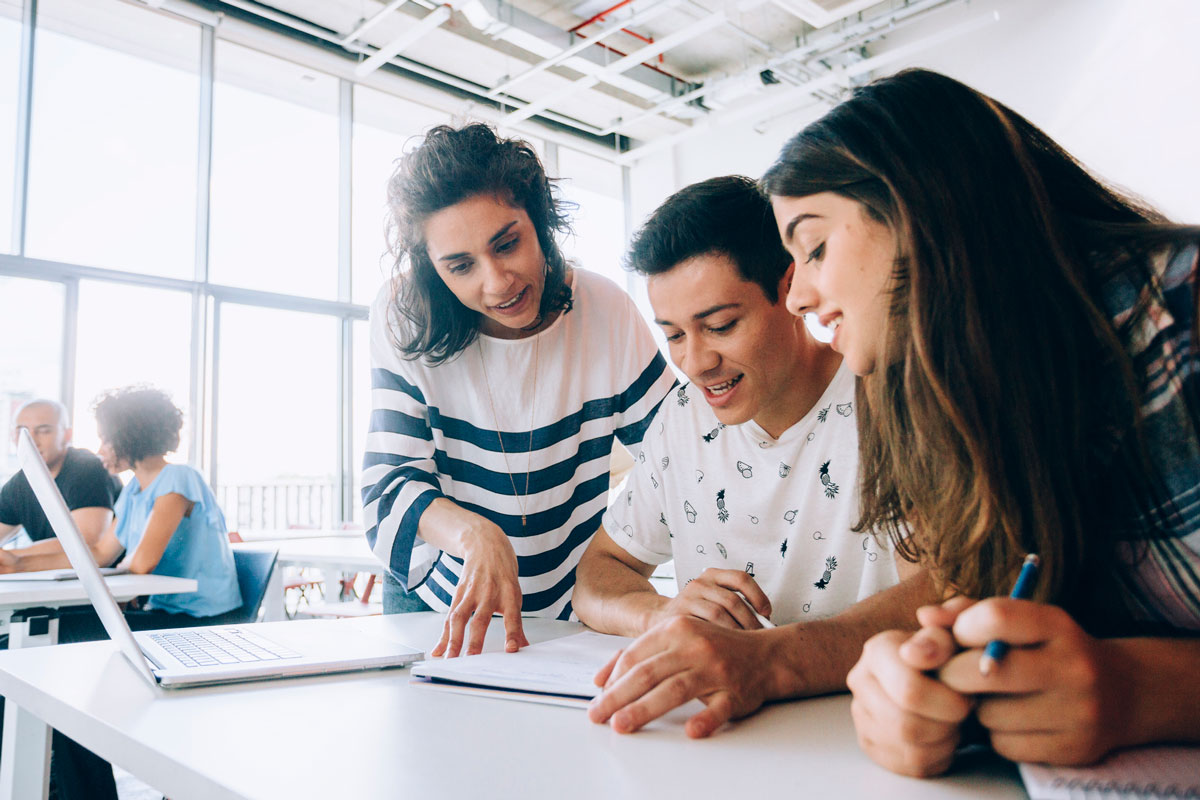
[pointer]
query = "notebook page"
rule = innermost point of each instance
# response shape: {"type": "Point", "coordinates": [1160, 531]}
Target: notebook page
{"type": "Point", "coordinates": [562, 666]}
{"type": "Point", "coordinates": [1142, 773]}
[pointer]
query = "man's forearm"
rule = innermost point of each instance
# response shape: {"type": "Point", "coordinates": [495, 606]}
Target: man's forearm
{"type": "Point", "coordinates": [611, 597]}
{"type": "Point", "coordinates": [34, 558]}
{"type": "Point", "coordinates": [811, 658]}
{"type": "Point", "coordinates": [41, 548]}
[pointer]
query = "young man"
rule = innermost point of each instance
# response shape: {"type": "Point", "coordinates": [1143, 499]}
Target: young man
{"type": "Point", "coordinates": [746, 478]}
{"type": "Point", "coordinates": [86, 486]}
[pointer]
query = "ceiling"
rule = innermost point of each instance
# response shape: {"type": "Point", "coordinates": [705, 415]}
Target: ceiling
{"type": "Point", "coordinates": [640, 72]}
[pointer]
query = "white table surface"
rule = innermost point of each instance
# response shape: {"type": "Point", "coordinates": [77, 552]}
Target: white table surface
{"type": "Point", "coordinates": [26, 738]}
{"type": "Point", "coordinates": [403, 740]}
{"type": "Point", "coordinates": [267, 535]}
{"type": "Point", "coordinates": [15, 595]}
{"type": "Point", "coordinates": [324, 551]}
{"type": "Point", "coordinates": [332, 555]}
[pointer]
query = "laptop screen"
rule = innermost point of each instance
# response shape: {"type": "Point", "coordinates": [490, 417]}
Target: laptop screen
{"type": "Point", "coordinates": [78, 553]}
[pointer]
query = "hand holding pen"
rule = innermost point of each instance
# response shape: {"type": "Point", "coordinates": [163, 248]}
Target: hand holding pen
{"type": "Point", "coordinates": [1023, 590]}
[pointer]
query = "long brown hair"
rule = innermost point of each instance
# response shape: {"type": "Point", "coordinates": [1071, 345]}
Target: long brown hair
{"type": "Point", "coordinates": [1005, 390]}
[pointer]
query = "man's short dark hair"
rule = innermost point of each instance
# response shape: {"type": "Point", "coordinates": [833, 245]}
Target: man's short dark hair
{"type": "Point", "coordinates": [728, 216]}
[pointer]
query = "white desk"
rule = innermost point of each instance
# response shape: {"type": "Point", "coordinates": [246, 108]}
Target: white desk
{"type": "Point", "coordinates": [333, 555]}
{"type": "Point", "coordinates": [16, 596]}
{"type": "Point", "coordinates": [274, 534]}
{"type": "Point", "coordinates": [26, 737]}
{"type": "Point", "coordinates": [403, 740]}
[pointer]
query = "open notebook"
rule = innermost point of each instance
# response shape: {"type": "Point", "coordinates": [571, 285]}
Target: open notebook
{"type": "Point", "coordinates": [558, 672]}
{"type": "Point", "coordinates": [1141, 773]}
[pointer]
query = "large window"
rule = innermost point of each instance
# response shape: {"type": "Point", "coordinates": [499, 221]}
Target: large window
{"type": "Point", "coordinates": [31, 325]}
{"type": "Point", "coordinates": [599, 222]}
{"type": "Point", "coordinates": [136, 271]}
{"type": "Point", "coordinates": [131, 335]}
{"type": "Point", "coordinates": [384, 128]}
{"type": "Point", "coordinates": [112, 172]}
{"type": "Point", "coordinates": [277, 417]}
{"type": "Point", "coordinates": [274, 216]}
{"type": "Point", "coordinates": [361, 412]}
{"type": "Point", "coordinates": [10, 67]}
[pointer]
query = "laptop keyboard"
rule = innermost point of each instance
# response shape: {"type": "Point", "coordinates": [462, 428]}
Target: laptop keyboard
{"type": "Point", "coordinates": [209, 647]}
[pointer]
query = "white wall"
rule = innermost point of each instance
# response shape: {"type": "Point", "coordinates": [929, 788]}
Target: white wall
{"type": "Point", "coordinates": [1116, 82]}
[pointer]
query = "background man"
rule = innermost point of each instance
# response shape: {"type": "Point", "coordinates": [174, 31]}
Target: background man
{"type": "Point", "coordinates": [86, 486]}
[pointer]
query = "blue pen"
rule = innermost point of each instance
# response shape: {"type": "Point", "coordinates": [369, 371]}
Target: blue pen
{"type": "Point", "coordinates": [1023, 590]}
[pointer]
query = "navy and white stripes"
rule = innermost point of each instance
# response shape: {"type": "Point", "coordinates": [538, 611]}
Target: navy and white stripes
{"type": "Point", "coordinates": [433, 434]}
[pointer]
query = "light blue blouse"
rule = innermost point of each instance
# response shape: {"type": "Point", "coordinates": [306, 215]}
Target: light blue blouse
{"type": "Point", "coordinates": [198, 549]}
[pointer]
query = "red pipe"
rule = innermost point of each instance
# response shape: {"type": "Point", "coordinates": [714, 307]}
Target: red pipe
{"type": "Point", "coordinates": [645, 64]}
{"type": "Point", "coordinates": [601, 15]}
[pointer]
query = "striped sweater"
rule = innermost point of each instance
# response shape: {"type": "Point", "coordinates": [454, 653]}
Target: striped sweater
{"type": "Point", "coordinates": [435, 433]}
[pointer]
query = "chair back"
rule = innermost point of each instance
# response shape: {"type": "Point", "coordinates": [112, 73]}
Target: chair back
{"type": "Point", "coordinates": [253, 572]}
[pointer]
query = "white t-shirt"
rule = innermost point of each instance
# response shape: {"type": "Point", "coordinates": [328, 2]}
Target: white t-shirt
{"type": "Point", "coordinates": [733, 497]}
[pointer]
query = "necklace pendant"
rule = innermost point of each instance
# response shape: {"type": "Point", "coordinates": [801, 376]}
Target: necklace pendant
{"type": "Point", "coordinates": [522, 520]}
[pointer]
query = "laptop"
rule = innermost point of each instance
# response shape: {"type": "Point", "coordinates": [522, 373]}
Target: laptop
{"type": "Point", "coordinates": [203, 656]}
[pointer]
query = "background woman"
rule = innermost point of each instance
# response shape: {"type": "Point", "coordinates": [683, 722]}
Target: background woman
{"type": "Point", "coordinates": [1027, 341]}
{"type": "Point", "coordinates": [500, 377]}
{"type": "Point", "coordinates": [167, 519]}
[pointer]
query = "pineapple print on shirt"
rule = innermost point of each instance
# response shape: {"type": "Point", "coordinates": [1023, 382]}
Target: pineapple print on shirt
{"type": "Point", "coordinates": [830, 566]}
{"type": "Point", "coordinates": [831, 488]}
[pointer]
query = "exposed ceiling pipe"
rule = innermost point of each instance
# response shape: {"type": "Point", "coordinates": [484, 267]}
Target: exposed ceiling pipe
{"type": "Point", "coordinates": [555, 60]}
{"type": "Point", "coordinates": [537, 36]}
{"type": "Point", "coordinates": [633, 59]}
{"type": "Point", "coordinates": [624, 29]}
{"type": "Point", "coordinates": [367, 24]}
{"type": "Point", "coordinates": [851, 37]}
{"type": "Point", "coordinates": [409, 65]}
{"type": "Point", "coordinates": [791, 98]}
{"type": "Point", "coordinates": [433, 19]}
{"type": "Point", "coordinates": [599, 17]}
{"type": "Point", "coordinates": [817, 15]}
{"type": "Point", "coordinates": [752, 40]}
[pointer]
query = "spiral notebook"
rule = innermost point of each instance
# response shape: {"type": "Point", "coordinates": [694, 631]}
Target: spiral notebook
{"type": "Point", "coordinates": [1144, 773]}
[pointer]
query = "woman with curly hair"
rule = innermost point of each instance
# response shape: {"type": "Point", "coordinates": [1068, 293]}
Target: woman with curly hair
{"type": "Point", "coordinates": [1027, 341]}
{"type": "Point", "coordinates": [500, 376]}
{"type": "Point", "coordinates": [166, 520]}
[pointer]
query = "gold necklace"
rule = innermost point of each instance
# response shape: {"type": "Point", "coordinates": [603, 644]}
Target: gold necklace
{"type": "Point", "coordinates": [537, 343]}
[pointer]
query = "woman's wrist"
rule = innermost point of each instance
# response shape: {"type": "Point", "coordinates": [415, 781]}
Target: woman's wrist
{"type": "Point", "coordinates": [479, 535]}
{"type": "Point", "coordinates": [455, 530]}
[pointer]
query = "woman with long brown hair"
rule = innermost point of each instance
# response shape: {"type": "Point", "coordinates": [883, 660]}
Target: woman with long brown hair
{"type": "Point", "coordinates": [1026, 338]}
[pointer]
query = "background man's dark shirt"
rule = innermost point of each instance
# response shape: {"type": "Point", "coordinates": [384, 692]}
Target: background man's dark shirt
{"type": "Point", "coordinates": [83, 481]}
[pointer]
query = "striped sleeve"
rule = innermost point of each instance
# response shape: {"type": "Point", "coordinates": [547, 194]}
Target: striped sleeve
{"type": "Point", "coordinates": [637, 404]}
{"type": "Point", "coordinates": [400, 477]}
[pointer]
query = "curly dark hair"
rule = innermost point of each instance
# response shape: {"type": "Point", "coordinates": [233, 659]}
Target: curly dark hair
{"type": "Point", "coordinates": [138, 422]}
{"type": "Point", "coordinates": [452, 165]}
